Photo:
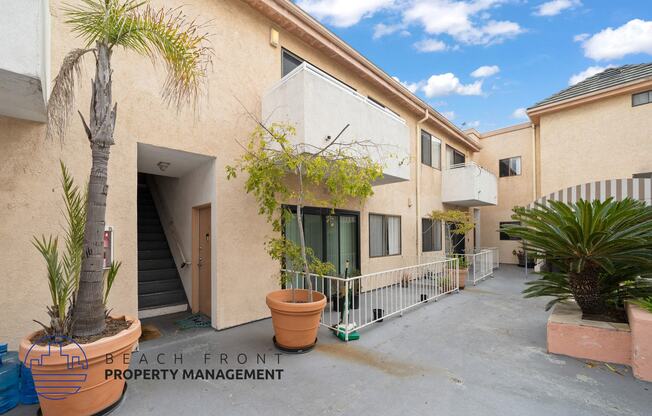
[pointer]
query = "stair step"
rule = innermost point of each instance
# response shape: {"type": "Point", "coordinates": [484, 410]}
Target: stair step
{"type": "Point", "coordinates": [151, 236]}
{"type": "Point", "coordinates": [164, 298]}
{"type": "Point", "coordinates": [158, 274]}
{"type": "Point", "coordinates": [156, 264]}
{"type": "Point", "coordinates": [149, 221]}
{"type": "Point", "coordinates": [153, 254]}
{"type": "Point", "coordinates": [152, 245]}
{"type": "Point", "coordinates": [154, 286]}
{"type": "Point", "coordinates": [150, 228]}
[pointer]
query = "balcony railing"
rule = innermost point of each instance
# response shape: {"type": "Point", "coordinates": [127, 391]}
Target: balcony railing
{"type": "Point", "coordinates": [470, 185]}
{"type": "Point", "coordinates": [318, 106]}
{"type": "Point", "coordinates": [24, 59]}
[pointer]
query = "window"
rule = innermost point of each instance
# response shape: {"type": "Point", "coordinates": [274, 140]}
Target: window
{"type": "Point", "coordinates": [641, 98]}
{"type": "Point", "coordinates": [384, 235]}
{"type": "Point", "coordinates": [289, 62]}
{"type": "Point", "coordinates": [430, 150]}
{"type": "Point", "coordinates": [510, 166]}
{"type": "Point", "coordinates": [430, 235]}
{"type": "Point", "coordinates": [454, 157]}
{"type": "Point", "coordinates": [503, 235]}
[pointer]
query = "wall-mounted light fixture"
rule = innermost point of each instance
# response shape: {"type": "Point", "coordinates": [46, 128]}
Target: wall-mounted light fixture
{"type": "Point", "coordinates": [163, 165]}
{"type": "Point", "coordinates": [273, 37]}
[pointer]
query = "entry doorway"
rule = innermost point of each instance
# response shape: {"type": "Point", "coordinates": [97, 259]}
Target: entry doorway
{"type": "Point", "coordinates": [202, 259]}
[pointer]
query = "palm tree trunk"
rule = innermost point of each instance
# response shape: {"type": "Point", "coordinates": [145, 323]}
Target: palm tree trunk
{"type": "Point", "coordinates": [585, 287]}
{"type": "Point", "coordinates": [88, 311]}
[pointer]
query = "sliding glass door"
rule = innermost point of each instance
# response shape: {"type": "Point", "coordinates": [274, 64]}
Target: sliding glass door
{"type": "Point", "coordinates": [333, 237]}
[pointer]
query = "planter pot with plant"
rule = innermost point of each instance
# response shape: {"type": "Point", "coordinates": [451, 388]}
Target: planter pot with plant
{"type": "Point", "coordinates": [281, 174]}
{"type": "Point", "coordinates": [600, 251]}
{"type": "Point", "coordinates": [464, 271]}
{"type": "Point", "coordinates": [79, 285]}
{"type": "Point", "coordinates": [520, 254]}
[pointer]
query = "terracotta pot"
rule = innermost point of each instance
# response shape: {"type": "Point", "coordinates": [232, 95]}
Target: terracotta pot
{"type": "Point", "coordinates": [463, 274]}
{"type": "Point", "coordinates": [81, 391]}
{"type": "Point", "coordinates": [295, 324]}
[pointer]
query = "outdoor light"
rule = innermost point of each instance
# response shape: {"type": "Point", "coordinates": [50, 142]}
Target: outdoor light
{"type": "Point", "coordinates": [163, 165]}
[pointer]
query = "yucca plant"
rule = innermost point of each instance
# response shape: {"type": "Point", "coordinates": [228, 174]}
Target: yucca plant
{"type": "Point", "coordinates": [602, 251]}
{"type": "Point", "coordinates": [107, 25]}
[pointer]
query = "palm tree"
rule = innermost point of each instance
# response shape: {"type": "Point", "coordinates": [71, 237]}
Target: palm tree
{"type": "Point", "coordinates": [105, 25]}
{"type": "Point", "coordinates": [601, 249]}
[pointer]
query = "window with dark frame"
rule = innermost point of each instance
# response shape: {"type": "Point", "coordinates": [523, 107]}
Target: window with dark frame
{"type": "Point", "coordinates": [290, 61]}
{"type": "Point", "coordinates": [430, 150]}
{"type": "Point", "coordinates": [641, 98]}
{"type": "Point", "coordinates": [454, 157]}
{"type": "Point", "coordinates": [430, 235]}
{"type": "Point", "coordinates": [510, 166]}
{"type": "Point", "coordinates": [384, 235]}
{"type": "Point", "coordinates": [503, 235]}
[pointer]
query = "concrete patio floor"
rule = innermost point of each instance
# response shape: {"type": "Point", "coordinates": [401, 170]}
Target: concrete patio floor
{"type": "Point", "coordinates": [480, 352]}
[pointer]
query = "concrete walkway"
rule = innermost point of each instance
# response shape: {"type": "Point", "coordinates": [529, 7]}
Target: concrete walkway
{"type": "Point", "coordinates": [480, 352]}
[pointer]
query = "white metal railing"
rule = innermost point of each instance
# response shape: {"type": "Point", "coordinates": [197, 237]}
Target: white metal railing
{"type": "Point", "coordinates": [357, 302]}
{"type": "Point", "coordinates": [481, 264]}
{"type": "Point", "coordinates": [495, 256]}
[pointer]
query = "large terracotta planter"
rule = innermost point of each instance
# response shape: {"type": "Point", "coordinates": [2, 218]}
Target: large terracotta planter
{"type": "Point", "coordinates": [463, 275]}
{"type": "Point", "coordinates": [82, 390]}
{"type": "Point", "coordinates": [295, 324]}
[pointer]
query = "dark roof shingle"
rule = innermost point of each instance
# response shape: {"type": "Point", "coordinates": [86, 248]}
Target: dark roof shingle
{"type": "Point", "coordinates": [608, 78]}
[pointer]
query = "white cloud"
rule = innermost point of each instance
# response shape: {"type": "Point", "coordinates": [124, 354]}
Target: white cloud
{"type": "Point", "coordinates": [485, 71]}
{"type": "Point", "coordinates": [459, 19]}
{"type": "Point", "coordinates": [413, 87]}
{"type": "Point", "coordinates": [430, 45]}
{"type": "Point", "coordinates": [471, 124]}
{"type": "Point", "coordinates": [633, 37]}
{"type": "Point", "coordinates": [343, 13]}
{"type": "Point", "coordinates": [588, 72]}
{"type": "Point", "coordinates": [381, 30]}
{"type": "Point", "coordinates": [519, 113]}
{"type": "Point", "coordinates": [554, 7]}
{"type": "Point", "coordinates": [449, 115]}
{"type": "Point", "coordinates": [448, 83]}
{"type": "Point", "coordinates": [581, 37]}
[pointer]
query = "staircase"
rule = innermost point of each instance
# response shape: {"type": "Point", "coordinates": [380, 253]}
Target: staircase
{"type": "Point", "coordinates": [159, 284]}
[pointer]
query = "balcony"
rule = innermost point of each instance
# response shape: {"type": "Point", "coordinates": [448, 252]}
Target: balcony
{"type": "Point", "coordinates": [24, 59]}
{"type": "Point", "coordinates": [319, 107]}
{"type": "Point", "coordinates": [469, 185]}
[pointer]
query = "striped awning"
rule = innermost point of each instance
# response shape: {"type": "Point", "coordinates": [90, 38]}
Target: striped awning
{"type": "Point", "coordinates": [618, 189]}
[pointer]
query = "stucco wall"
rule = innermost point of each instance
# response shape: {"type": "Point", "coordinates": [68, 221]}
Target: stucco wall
{"type": "Point", "coordinates": [606, 139]}
{"type": "Point", "coordinates": [245, 66]}
{"type": "Point", "coordinates": [512, 190]}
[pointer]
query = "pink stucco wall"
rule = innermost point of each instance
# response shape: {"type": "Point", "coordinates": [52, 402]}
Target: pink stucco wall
{"type": "Point", "coordinates": [641, 324]}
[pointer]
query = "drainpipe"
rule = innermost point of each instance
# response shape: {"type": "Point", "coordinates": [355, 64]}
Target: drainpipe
{"type": "Point", "coordinates": [418, 193]}
{"type": "Point", "coordinates": [534, 164]}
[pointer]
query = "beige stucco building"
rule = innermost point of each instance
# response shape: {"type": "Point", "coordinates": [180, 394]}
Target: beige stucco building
{"type": "Point", "coordinates": [176, 162]}
{"type": "Point", "coordinates": [597, 131]}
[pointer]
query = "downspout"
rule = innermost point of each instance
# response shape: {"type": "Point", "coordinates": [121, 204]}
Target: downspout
{"type": "Point", "coordinates": [534, 162]}
{"type": "Point", "coordinates": [418, 192]}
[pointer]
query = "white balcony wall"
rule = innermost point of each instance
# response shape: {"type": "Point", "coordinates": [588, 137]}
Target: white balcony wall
{"type": "Point", "coordinates": [469, 185]}
{"type": "Point", "coordinates": [24, 58]}
{"type": "Point", "coordinates": [319, 107]}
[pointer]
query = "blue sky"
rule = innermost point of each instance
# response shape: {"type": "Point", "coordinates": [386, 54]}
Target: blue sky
{"type": "Point", "coordinates": [480, 61]}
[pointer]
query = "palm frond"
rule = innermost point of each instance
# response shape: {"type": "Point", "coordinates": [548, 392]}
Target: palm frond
{"type": "Point", "coordinates": [75, 214]}
{"type": "Point", "coordinates": [62, 98]}
{"type": "Point", "coordinates": [161, 34]}
{"type": "Point", "coordinates": [110, 278]}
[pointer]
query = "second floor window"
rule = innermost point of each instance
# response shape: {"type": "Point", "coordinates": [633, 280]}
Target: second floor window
{"type": "Point", "coordinates": [384, 235]}
{"type": "Point", "coordinates": [642, 98]}
{"type": "Point", "coordinates": [510, 166]}
{"type": "Point", "coordinates": [289, 62]}
{"type": "Point", "coordinates": [430, 150]}
{"type": "Point", "coordinates": [454, 157]}
{"type": "Point", "coordinates": [430, 235]}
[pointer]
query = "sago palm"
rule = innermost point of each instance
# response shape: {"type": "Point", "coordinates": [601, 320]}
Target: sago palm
{"type": "Point", "coordinates": [106, 26]}
{"type": "Point", "coordinates": [602, 249]}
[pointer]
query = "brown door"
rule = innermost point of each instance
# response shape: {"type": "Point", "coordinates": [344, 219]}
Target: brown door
{"type": "Point", "coordinates": [204, 261]}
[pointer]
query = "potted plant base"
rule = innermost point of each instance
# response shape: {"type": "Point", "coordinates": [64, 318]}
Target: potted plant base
{"type": "Point", "coordinates": [295, 323]}
{"type": "Point", "coordinates": [464, 273]}
{"type": "Point", "coordinates": [83, 391]}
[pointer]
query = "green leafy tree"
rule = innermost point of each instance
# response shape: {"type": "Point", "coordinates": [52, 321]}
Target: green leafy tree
{"type": "Point", "coordinates": [455, 222]}
{"type": "Point", "coordinates": [105, 26]}
{"type": "Point", "coordinates": [281, 173]}
{"type": "Point", "coordinates": [601, 252]}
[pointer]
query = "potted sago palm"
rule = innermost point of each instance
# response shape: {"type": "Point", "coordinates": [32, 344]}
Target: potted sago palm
{"type": "Point", "coordinates": [81, 333]}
